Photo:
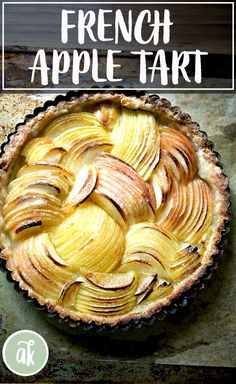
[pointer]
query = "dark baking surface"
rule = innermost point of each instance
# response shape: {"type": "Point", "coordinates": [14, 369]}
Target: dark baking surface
{"type": "Point", "coordinates": [196, 344]}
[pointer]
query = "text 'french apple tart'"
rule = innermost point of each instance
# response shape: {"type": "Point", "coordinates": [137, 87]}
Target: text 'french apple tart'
{"type": "Point", "coordinates": [112, 206]}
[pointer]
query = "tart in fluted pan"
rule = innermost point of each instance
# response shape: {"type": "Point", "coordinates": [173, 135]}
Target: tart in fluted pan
{"type": "Point", "coordinates": [112, 206]}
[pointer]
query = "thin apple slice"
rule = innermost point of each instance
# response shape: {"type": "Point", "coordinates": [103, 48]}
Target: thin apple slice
{"type": "Point", "coordinates": [76, 298]}
{"type": "Point", "coordinates": [178, 161]}
{"type": "Point", "coordinates": [138, 264]}
{"type": "Point", "coordinates": [107, 114]}
{"type": "Point", "coordinates": [84, 153]}
{"type": "Point", "coordinates": [83, 143]}
{"type": "Point", "coordinates": [145, 283]}
{"type": "Point", "coordinates": [144, 260]}
{"type": "Point", "coordinates": [146, 243]}
{"type": "Point", "coordinates": [111, 281]}
{"type": "Point", "coordinates": [84, 185]}
{"type": "Point", "coordinates": [137, 140]}
{"type": "Point", "coordinates": [29, 228]}
{"type": "Point", "coordinates": [77, 133]}
{"type": "Point", "coordinates": [155, 247]}
{"type": "Point", "coordinates": [35, 196]}
{"type": "Point", "coordinates": [25, 204]}
{"type": "Point", "coordinates": [42, 149]}
{"type": "Point", "coordinates": [18, 225]}
{"type": "Point", "coordinates": [49, 182]}
{"type": "Point", "coordinates": [109, 205]}
{"type": "Point", "coordinates": [30, 196]}
{"type": "Point", "coordinates": [75, 136]}
{"type": "Point", "coordinates": [188, 212]}
{"type": "Point", "coordinates": [102, 294]}
{"type": "Point", "coordinates": [152, 284]}
{"type": "Point", "coordinates": [112, 294]}
{"type": "Point", "coordinates": [161, 182]}
{"type": "Point", "coordinates": [178, 152]}
{"type": "Point", "coordinates": [41, 167]}
{"type": "Point", "coordinates": [40, 267]}
{"type": "Point", "coordinates": [185, 262]}
{"type": "Point", "coordinates": [70, 121]}
{"type": "Point", "coordinates": [122, 192]}
{"type": "Point", "coordinates": [159, 291]}
{"type": "Point", "coordinates": [89, 238]}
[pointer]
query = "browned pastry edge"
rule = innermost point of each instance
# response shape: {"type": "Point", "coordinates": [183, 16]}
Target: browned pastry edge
{"type": "Point", "coordinates": [167, 113]}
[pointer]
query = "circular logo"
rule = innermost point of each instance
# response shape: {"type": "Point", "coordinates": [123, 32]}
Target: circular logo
{"type": "Point", "coordinates": [25, 353]}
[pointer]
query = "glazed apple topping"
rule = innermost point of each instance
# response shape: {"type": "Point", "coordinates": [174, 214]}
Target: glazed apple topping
{"type": "Point", "coordinates": [43, 149]}
{"type": "Point", "coordinates": [107, 114]}
{"type": "Point", "coordinates": [121, 191]}
{"type": "Point", "coordinates": [160, 251]}
{"type": "Point", "coordinates": [108, 212]}
{"type": "Point", "coordinates": [188, 210]}
{"type": "Point", "coordinates": [137, 140]}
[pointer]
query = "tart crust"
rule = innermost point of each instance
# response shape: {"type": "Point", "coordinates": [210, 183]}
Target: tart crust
{"type": "Point", "coordinates": [210, 169]}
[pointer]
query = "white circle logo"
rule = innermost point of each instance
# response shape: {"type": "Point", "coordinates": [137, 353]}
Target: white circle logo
{"type": "Point", "coordinates": [25, 353]}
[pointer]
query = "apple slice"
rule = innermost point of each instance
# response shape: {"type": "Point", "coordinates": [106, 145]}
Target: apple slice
{"type": "Point", "coordinates": [159, 291]}
{"type": "Point", "coordinates": [159, 251]}
{"type": "Point", "coordinates": [19, 222]}
{"type": "Point", "coordinates": [35, 196]}
{"type": "Point", "coordinates": [102, 294]}
{"type": "Point", "coordinates": [146, 243]}
{"type": "Point", "coordinates": [137, 140]}
{"type": "Point", "coordinates": [178, 160]}
{"type": "Point", "coordinates": [155, 290]}
{"type": "Point", "coordinates": [83, 143]}
{"type": "Point", "coordinates": [31, 194]}
{"type": "Point", "coordinates": [42, 173]}
{"type": "Point", "coordinates": [111, 281]}
{"type": "Point", "coordinates": [145, 283]}
{"type": "Point", "coordinates": [29, 228]}
{"type": "Point", "coordinates": [188, 212]}
{"type": "Point", "coordinates": [161, 182]}
{"type": "Point", "coordinates": [42, 149]}
{"type": "Point", "coordinates": [122, 192]}
{"type": "Point", "coordinates": [41, 168]}
{"type": "Point", "coordinates": [85, 153]}
{"type": "Point", "coordinates": [48, 182]}
{"type": "Point", "coordinates": [76, 133]}
{"type": "Point", "coordinates": [30, 208]}
{"type": "Point", "coordinates": [89, 238]}
{"type": "Point", "coordinates": [76, 298]}
{"type": "Point", "coordinates": [109, 205]}
{"type": "Point", "coordinates": [80, 135]}
{"type": "Point", "coordinates": [23, 204]}
{"type": "Point", "coordinates": [146, 261]}
{"type": "Point", "coordinates": [107, 114]}
{"type": "Point", "coordinates": [178, 152]}
{"type": "Point", "coordinates": [185, 262]}
{"type": "Point", "coordinates": [69, 121]}
{"type": "Point", "coordinates": [84, 185]}
{"type": "Point", "coordinates": [40, 267]}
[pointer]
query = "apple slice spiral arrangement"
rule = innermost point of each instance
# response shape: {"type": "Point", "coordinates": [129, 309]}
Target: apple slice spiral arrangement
{"type": "Point", "coordinates": [107, 214]}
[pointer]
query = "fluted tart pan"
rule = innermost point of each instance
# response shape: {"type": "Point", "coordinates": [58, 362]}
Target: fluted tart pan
{"type": "Point", "coordinates": [113, 207]}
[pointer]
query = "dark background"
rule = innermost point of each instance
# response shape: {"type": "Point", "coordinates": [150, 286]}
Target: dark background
{"type": "Point", "coordinates": [207, 27]}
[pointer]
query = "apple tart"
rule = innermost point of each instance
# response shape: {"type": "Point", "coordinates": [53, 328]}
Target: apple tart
{"type": "Point", "coordinates": [112, 206]}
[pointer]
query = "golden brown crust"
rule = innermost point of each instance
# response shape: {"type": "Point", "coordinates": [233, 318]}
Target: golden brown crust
{"type": "Point", "coordinates": [211, 172]}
